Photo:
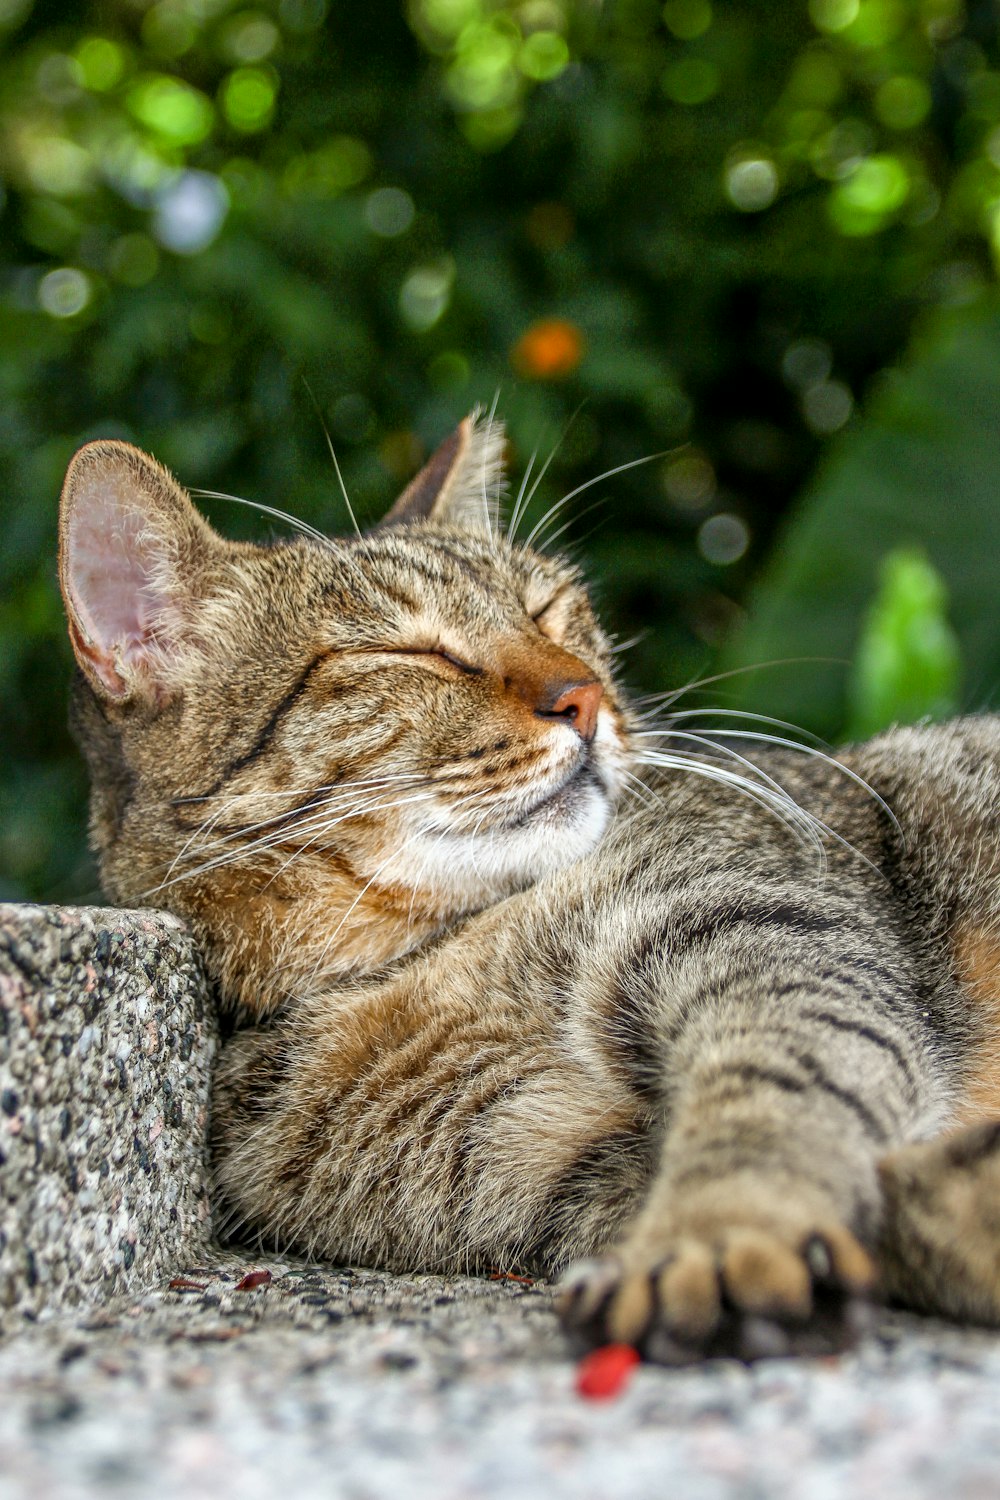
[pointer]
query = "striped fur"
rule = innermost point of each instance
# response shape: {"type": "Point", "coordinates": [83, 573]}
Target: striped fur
{"type": "Point", "coordinates": [528, 998]}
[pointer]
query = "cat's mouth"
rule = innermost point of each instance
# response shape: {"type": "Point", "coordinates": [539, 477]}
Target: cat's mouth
{"type": "Point", "coordinates": [563, 799]}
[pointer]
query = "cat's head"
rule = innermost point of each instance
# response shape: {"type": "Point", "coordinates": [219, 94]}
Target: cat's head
{"type": "Point", "coordinates": [317, 751]}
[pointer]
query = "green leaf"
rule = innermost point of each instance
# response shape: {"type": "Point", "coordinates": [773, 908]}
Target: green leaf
{"type": "Point", "coordinates": [921, 468]}
{"type": "Point", "coordinates": [908, 664]}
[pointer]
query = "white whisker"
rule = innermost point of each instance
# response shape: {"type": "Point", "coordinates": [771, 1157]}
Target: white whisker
{"type": "Point", "coordinates": [589, 484]}
{"type": "Point", "coordinates": [665, 699]}
{"type": "Point", "coordinates": [774, 739]}
{"type": "Point", "coordinates": [270, 510]}
{"type": "Point", "coordinates": [338, 791]}
{"type": "Point", "coordinates": [780, 805]}
{"type": "Point", "coordinates": [245, 851]}
{"type": "Point", "coordinates": [515, 515]}
{"type": "Point", "coordinates": [333, 455]}
{"type": "Point", "coordinates": [549, 541]}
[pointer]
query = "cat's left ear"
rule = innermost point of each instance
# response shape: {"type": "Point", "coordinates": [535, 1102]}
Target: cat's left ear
{"type": "Point", "coordinates": [132, 548]}
{"type": "Point", "coordinates": [461, 484]}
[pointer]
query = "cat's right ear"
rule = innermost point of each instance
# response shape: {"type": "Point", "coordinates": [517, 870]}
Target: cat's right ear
{"type": "Point", "coordinates": [130, 543]}
{"type": "Point", "coordinates": [461, 483]}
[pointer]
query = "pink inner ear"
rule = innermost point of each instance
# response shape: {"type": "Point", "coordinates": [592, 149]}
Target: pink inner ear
{"type": "Point", "coordinates": [118, 568]}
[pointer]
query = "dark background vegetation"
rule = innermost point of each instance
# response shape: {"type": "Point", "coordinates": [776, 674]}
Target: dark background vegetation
{"type": "Point", "coordinates": [755, 240]}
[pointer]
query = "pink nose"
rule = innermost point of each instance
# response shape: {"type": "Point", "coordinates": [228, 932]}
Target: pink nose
{"type": "Point", "coordinates": [578, 704]}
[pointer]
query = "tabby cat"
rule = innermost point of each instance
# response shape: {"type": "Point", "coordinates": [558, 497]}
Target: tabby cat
{"type": "Point", "coordinates": [535, 983]}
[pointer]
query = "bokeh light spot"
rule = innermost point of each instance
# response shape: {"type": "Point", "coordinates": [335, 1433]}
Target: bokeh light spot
{"type": "Point", "coordinates": [56, 165]}
{"type": "Point", "coordinates": [878, 22]}
{"type": "Point", "coordinates": [449, 371]}
{"type": "Point", "coordinates": [863, 202]}
{"type": "Point", "coordinates": [543, 55]}
{"type": "Point", "coordinates": [550, 349]}
{"type": "Point", "coordinates": [190, 211]}
{"type": "Point", "coordinates": [13, 12]}
{"type": "Point", "coordinates": [425, 294]}
{"type": "Point", "coordinates": [342, 163]}
{"type": "Point", "coordinates": [826, 406]}
{"type": "Point", "coordinates": [833, 15]}
{"type": "Point", "coordinates": [489, 129]}
{"type": "Point", "coordinates": [483, 74]}
{"type": "Point", "coordinates": [64, 292]}
{"type": "Point", "coordinates": [448, 17]}
{"type": "Point", "coordinates": [389, 212]}
{"type": "Point", "coordinates": [751, 183]}
{"type": "Point", "coordinates": [248, 97]}
{"type": "Point", "coordinates": [59, 79]}
{"type": "Point", "coordinates": [250, 37]}
{"type": "Point", "coordinates": [168, 29]}
{"type": "Point", "coordinates": [687, 18]}
{"type": "Point", "coordinates": [302, 15]}
{"type": "Point", "coordinates": [723, 539]}
{"type": "Point", "coordinates": [691, 80]}
{"type": "Point", "coordinates": [177, 112]}
{"type": "Point", "coordinates": [102, 63]}
{"type": "Point", "coordinates": [689, 480]}
{"type": "Point", "coordinates": [806, 362]}
{"type": "Point", "coordinates": [903, 102]}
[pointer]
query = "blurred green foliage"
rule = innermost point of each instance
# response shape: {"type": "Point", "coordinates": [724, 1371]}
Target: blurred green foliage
{"type": "Point", "coordinates": [920, 466]}
{"type": "Point", "coordinates": [907, 663]}
{"type": "Point", "coordinates": [703, 229]}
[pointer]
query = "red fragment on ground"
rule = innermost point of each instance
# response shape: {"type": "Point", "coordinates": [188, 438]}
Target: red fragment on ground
{"type": "Point", "coordinates": [253, 1279]}
{"type": "Point", "coordinates": [604, 1372]}
{"type": "Point", "coordinates": [496, 1275]}
{"type": "Point", "coordinates": [185, 1284]}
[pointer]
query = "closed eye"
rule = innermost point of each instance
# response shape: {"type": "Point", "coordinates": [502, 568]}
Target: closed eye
{"type": "Point", "coordinates": [453, 661]}
{"type": "Point", "coordinates": [538, 615]}
{"type": "Point", "coordinates": [456, 661]}
{"type": "Point", "coordinates": [550, 619]}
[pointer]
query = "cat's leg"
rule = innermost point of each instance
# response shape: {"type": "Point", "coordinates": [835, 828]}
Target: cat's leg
{"type": "Point", "coordinates": [403, 1128]}
{"type": "Point", "coordinates": [416, 1130]}
{"type": "Point", "coordinates": [939, 1245]}
{"type": "Point", "coordinates": [760, 1230]}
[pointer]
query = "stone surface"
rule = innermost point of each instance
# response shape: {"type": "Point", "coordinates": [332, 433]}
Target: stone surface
{"type": "Point", "coordinates": [371, 1387]}
{"type": "Point", "coordinates": [106, 1042]}
{"type": "Point", "coordinates": [181, 1383]}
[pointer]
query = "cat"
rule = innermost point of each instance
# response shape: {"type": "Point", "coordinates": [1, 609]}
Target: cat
{"type": "Point", "coordinates": [710, 1027]}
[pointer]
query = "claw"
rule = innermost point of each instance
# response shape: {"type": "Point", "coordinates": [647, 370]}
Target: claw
{"type": "Point", "coordinates": [584, 1288]}
{"type": "Point", "coordinates": [748, 1295]}
{"type": "Point", "coordinates": [816, 1254]}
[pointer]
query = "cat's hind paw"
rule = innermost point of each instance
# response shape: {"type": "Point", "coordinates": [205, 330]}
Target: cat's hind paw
{"type": "Point", "coordinates": [749, 1295]}
{"type": "Point", "coordinates": [940, 1249]}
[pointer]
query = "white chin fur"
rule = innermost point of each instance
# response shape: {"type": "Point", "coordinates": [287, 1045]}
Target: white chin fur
{"type": "Point", "coordinates": [471, 868]}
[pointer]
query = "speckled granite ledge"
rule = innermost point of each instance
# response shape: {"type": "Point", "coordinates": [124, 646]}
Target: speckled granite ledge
{"type": "Point", "coordinates": [194, 1380]}
{"type": "Point", "coordinates": [107, 1037]}
{"type": "Point", "coordinates": [354, 1385]}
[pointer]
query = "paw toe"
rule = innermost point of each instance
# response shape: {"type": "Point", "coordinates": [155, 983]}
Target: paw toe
{"type": "Point", "coordinates": [761, 1275]}
{"type": "Point", "coordinates": [748, 1295]}
{"type": "Point", "coordinates": [688, 1288]}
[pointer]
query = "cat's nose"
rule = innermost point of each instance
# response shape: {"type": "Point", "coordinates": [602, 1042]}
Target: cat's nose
{"type": "Point", "coordinates": [576, 702]}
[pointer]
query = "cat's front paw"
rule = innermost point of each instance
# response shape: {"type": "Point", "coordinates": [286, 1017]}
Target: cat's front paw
{"type": "Point", "coordinates": [744, 1292]}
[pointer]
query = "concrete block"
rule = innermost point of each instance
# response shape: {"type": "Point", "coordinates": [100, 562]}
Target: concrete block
{"type": "Point", "coordinates": [107, 1036]}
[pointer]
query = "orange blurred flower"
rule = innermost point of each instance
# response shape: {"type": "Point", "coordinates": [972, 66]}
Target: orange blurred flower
{"type": "Point", "coordinates": [550, 349]}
